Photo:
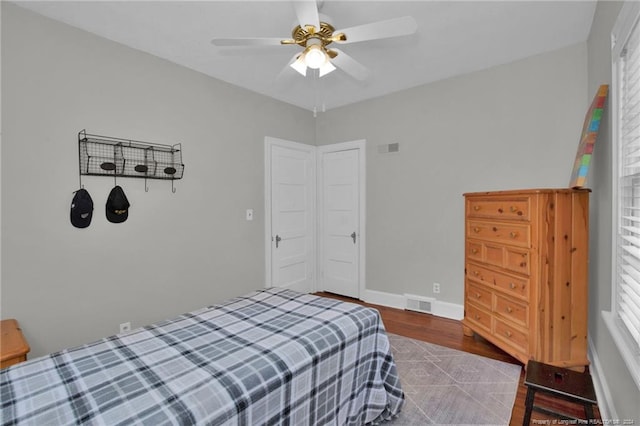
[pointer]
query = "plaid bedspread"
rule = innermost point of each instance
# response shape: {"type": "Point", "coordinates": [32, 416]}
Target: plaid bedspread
{"type": "Point", "coordinates": [273, 357]}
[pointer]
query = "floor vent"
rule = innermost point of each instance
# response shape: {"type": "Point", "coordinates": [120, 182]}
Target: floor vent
{"type": "Point", "coordinates": [419, 303]}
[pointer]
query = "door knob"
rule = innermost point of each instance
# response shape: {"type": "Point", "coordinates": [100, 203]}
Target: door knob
{"type": "Point", "coordinates": [353, 235]}
{"type": "Point", "coordinates": [278, 239]}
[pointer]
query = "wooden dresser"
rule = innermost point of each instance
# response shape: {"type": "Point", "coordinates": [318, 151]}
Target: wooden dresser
{"type": "Point", "coordinates": [13, 346]}
{"type": "Point", "coordinates": [526, 273]}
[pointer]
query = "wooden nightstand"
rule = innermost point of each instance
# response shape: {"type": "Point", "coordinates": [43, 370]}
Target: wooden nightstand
{"type": "Point", "coordinates": [13, 346]}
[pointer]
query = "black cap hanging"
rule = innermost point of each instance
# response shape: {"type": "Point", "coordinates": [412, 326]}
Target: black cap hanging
{"type": "Point", "coordinates": [81, 209]}
{"type": "Point", "coordinates": [117, 207]}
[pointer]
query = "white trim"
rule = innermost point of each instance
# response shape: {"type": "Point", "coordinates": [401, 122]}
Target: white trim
{"type": "Point", "coordinates": [601, 386]}
{"type": "Point", "coordinates": [360, 145]}
{"type": "Point", "coordinates": [627, 18]}
{"type": "Point", "coordinates": [631, 359]}
{"type": "Point", "coordinates": [270, 142]}
{"type": "Point", "coordinates": [399, 301]}
{"type": "Point", "coordinates": [447, 310]}
{"type": "Point", "coordinates": [381, 298]}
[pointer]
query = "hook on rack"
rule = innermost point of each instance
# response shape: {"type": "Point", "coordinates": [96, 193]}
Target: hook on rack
{"type": "Point", "coordinates": [142, 168]}
{"type": "Point", "coordinates": [171, 171]}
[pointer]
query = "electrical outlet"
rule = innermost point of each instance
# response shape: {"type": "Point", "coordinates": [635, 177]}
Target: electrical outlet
{"type": "Point", "coordinates": [436, 287]}
{"type": "Point", "coordinates": [124, 327]}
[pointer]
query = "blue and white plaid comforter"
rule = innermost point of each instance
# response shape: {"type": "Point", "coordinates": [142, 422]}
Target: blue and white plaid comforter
{"type": "Point", "coordinates": [273, 357]}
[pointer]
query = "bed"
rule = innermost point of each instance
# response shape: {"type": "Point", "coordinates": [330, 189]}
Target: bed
{"type": "Point", "coordinates": [271, 357]}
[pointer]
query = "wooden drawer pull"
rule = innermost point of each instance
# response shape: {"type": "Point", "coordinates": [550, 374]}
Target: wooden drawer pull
{"type": "Point", "coordinates": [476, 207]}
{"type": "Point", "coordinates": [476, 229]}
{"type": "Point", "coordinates": [513, 234]}
{"type": "Point", "coordinates": [509, 309]}
{"type": "Point", "coordinates": [508, 333]}
{"type": "Point", "coordinates": [474, 251]}
{"type": "Point", "coordinates": [512, 286]}
{"type": "Point", "coordinates": [513, 209]}
{"type": "Point", "coordinates": [476, 273]}
{"type": "Point", "coordinates": [478, 295]}
{"type": "Point", "coordinates": [476, 316]}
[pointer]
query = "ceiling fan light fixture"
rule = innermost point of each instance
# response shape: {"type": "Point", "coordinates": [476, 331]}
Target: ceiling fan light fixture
{"type": "Point", "coordinates": [326, 68]}
{"type": "Point", "coordinates": [315, 57]}
{"type": "Point", "coordinates": [299, 65]}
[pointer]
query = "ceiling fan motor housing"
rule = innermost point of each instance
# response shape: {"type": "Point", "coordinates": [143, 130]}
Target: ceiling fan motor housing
{"type": "Point", "coordinates": [301, 35]}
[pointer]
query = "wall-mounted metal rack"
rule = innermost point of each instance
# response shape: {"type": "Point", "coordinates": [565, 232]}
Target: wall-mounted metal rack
{"type": "Point", "coordinates": [108, 156]}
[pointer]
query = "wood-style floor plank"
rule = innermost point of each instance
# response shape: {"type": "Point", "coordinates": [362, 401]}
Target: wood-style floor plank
{"type": "Point", "coordinates": [448, 333]}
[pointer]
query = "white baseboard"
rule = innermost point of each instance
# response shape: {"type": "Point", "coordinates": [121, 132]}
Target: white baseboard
{"type": "Point", "coordinates": [448, 310]}
{"type": "Point", "coordinates": [603, 395]}
{"type": "Point", "coordinates": [390, 300]}
{"type": "Point", "coordinates": [398, 301]}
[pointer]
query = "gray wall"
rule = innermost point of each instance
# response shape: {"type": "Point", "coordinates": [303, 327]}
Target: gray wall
{"type": "Point", "coordinates": [509, 127]}
{"type": "Point", "coordinates": [621, 392]}
{"type": "Point", "coordinates": [176, 252]}
{"type": "Point", "coordinates": [512, 126]}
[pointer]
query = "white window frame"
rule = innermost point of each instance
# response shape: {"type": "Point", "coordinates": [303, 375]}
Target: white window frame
{"type": "Point", "coordinates": [628, 347]}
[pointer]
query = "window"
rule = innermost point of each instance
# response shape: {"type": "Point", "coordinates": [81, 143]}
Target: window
{"type": "Point", "coordinates": [624, 321]}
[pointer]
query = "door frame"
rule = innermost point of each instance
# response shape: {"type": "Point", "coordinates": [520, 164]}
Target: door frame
{"type": "Point", "coordinates": [359, 145]}
{"type": "Point", "coordinates": [269, 143]}
{"type": "Point", "coordinates": [317, 204]}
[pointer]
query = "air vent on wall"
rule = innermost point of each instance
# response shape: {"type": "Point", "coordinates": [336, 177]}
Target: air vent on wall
{"type": "Point", "coordinates": [418, 303]}
{"type": "Point", "coordinates": [387, 148]}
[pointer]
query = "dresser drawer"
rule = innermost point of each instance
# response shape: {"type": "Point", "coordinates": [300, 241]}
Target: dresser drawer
{"type": "Point", "coordinates": [515, 312]}
{"type": "Point", "coordinates": [474, 250]}
{"type": "Point", "coordinates": [478, 316]}
{"type": "Point", "coordinates": [479, 294]}
{"type": "Point", "coordinates": [517, 260]}
{"type": "Point", "coordinates": [507, 233]}
{"type": "Point", "coordinates": [507, 208]}
{"type": "Point", "coordinates": [513, 286]}
{"type": "Point", "coordinates": [512, 335]}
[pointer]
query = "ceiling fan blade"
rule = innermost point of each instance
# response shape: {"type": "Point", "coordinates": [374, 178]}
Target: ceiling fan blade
{"type": "Point", "coordinates": [307, 13]}
{"type": "Point", "coordinates": [382, 29]}
{"type": "Point", "coordinates": [247, 41]}
{"type": "Point", "coordinates": [349, 65]}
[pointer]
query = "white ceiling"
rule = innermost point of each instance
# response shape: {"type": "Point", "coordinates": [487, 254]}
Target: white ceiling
{"type": "Point", "coordinates": [453, 38]}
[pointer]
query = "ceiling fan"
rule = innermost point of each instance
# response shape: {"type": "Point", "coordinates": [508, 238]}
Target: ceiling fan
{"type": "Point", "coordinates": [315, 35]}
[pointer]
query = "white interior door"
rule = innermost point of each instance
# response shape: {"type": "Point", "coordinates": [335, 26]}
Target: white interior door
{"type": "Point", "coordinates": [341, 203]}
{"type": "Point", "coordinates": [292, 215]}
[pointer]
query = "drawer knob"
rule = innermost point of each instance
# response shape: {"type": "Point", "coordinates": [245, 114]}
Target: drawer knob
{"type": "Point", "coordinates": [474, 251]}
{"type": "Point", "coordinates": [476, 273]}
{"type": "Point", "coordinates": [476, 207]}
{"type": "Point", "coordinates": [509, 310]}
{"type": "Point", "coordinates": [476, 316]}
{"type": "Point", "coordinates": [513, 234]}
{"type": "Point", "coordinates": [507, 333]}
{"type": "Point", "coordinates": [513, 209]}
{"type": "Point", "coordinates": [512, 286]}
{"type": "Point", "coordinates": [476, 229]}
{"type": "Point", "coordinates": [478, 295]}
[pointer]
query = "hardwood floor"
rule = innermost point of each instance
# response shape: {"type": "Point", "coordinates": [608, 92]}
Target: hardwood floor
{"type": "Point", "coordinates": [446, 332]}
